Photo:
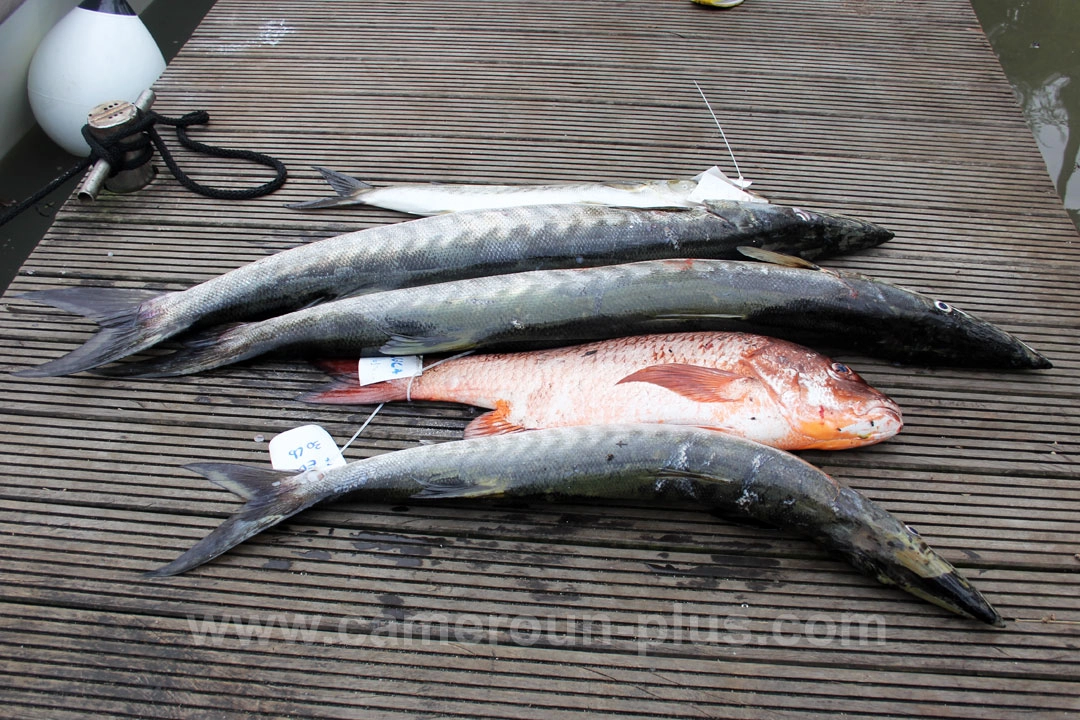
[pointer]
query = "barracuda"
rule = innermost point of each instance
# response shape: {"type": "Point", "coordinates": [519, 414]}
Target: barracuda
{"type": "Point", "coordinates": [561, 306]}
{"type": "Point", "coordinates": [437, 198]}
{"type": "Point", "coordinates": [647, 462]}
{"type": "Point", "coordinates": [438, 249]}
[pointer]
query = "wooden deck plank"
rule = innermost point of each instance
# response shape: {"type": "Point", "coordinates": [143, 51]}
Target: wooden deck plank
{"type": "Point", "coordinates": [855, 106]}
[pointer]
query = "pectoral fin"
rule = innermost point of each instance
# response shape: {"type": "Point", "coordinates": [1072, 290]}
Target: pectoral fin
{"type": "Point", "coordinates": [453, 486]}
{"type": "Point", "coordinates": [776, 258]}
{"type": "Point", "coordinates": [700, 384]}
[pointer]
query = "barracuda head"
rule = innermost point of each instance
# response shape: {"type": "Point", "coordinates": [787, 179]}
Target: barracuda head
{"type": "Point", "coordinates": [889, 321]}
{"type": "Point", "coordinates": [840, 235]}
{"type": "Point", "coordinates": [925, 329]}
{"type": "Point", "coordinates": [818, 234]}
{"type": "Point", "coordinates": [882, 546]}
{"type": "Point", "coordinates": [827, 402]}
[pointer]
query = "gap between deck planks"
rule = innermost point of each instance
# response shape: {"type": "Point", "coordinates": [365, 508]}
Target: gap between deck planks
{"type": "Point", "coordinates": [859, 106]}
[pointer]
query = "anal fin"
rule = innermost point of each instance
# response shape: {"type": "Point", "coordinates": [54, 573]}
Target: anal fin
{"type": "Point", "coordinates": [495, 422]}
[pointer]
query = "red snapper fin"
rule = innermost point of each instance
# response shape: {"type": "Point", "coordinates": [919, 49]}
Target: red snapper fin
{"type": "Point", "coordinates": [694, 382]}
{"type": "Point", "coordinates": [493, 423]}
{"type": "Point", "coordinates": [345, 387]}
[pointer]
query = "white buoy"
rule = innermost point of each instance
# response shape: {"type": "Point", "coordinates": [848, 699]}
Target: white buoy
{"type": "Point", "coordinates": [98, 52]}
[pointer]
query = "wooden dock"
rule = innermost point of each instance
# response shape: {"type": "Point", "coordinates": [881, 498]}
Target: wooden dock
{"type": "Point", "coordinates": [891, 111]}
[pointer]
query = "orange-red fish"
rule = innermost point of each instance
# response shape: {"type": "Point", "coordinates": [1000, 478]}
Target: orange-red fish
{"type": "Point", "coordinates": [755, 387]}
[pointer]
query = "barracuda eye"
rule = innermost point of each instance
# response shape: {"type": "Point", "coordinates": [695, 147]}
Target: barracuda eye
{"type": "Point", "coordinates": [943, 306]}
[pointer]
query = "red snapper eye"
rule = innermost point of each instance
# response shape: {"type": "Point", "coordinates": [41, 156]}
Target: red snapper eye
{"type": "Point", "coordinates": [841, 369]}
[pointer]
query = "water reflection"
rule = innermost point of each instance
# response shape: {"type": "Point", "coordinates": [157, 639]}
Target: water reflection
{"type": "Point", "coordinates": [1036, 41]}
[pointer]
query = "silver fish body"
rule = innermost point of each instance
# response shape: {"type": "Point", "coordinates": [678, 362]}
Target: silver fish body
{"type": "Point", "coordinates": [646, 462]}
{"type": "Point", "coordinates": [439, 249]}
{"type": "Point", "coordinates": [438, 198]}
{"type": "Point", "coordinates": [560, 306]}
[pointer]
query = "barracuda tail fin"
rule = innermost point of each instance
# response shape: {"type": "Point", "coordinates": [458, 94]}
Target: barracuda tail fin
{"type": "Point", "coordinates": [123, 330]}
{"type": "Point", "coordinates": [269, 501]}
{"type": "Point", "coordinates": [348, 190]}
{"type": "Point", "coordinates": [345, 389]}
{"type": "Point", "coordinates": [208, 350]}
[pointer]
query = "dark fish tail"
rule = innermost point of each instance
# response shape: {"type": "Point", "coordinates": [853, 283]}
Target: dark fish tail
{"type": "Point", "coordinates": [347, 189]}
{"type": "Point", "coordinates": [208, 350]}
{"type": "Point", "coordinates": [125, 327]}
{"type": "Point", "coordinates": [269, 501]}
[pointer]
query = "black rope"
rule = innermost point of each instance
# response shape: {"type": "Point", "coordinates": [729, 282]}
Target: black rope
{"type": "Point", "coordinates": [16, 209]}
{"type": "Point", "coordinates": [142, 136]}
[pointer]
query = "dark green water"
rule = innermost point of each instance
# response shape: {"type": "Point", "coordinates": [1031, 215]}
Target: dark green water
{"type": "Point", "coordinates": [1036, 40]}
{"type": "Point", "coordinates": [1038, 43]}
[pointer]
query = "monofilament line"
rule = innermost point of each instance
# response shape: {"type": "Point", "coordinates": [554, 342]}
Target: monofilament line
{"type": "Point", "coordinates": [437, 363]}
{"type": "Point", "coordinates": [361, 428]}
{"type": "Point", "coordinates": [718, 127]}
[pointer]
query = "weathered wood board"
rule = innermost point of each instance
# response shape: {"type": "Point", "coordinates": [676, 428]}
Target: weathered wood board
{"type": "Point", "coordinates": [897, 114]}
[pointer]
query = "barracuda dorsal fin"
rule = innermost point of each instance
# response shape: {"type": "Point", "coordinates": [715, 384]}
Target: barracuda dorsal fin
{"type": "Point", "coordinates": [776, 258]}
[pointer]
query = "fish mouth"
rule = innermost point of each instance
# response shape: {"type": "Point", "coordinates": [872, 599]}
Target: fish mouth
{"type": "Point", "coordinates": [953, 592]}
{"type": "Point", "coordinates": [873, 425]}
{"type": "Point", "coordinates": [884, 421]}
{"type": "Point", "coordinates": [884, 547]}
{"type": "Point", "coordinates": [923, 573]}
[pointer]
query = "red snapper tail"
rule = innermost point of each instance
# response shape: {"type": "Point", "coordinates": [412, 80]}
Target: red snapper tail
{"type": "Point", "coordinates": [345, 387]}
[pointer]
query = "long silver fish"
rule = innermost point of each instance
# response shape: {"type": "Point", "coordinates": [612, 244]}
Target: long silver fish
{"type": "Point", "coordinates": [437, 249]}
{"type": "Point", "coordinates": [438, 198]}
{"type": "Point", "coordinates": [647, 462]}
{"type": "Point", "coordinates": [559, 306]}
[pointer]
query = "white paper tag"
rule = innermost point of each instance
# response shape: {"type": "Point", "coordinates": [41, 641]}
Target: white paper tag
{"type": "Point", "coordinates": [304, 448]}
{"type": "Point", "coordinates": [379, 369]}
{"type": "Point", "coordinates": [713, 184]}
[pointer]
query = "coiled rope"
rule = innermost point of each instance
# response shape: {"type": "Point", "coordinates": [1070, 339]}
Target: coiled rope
{"type": "Point", "coordinates": [142, 136]}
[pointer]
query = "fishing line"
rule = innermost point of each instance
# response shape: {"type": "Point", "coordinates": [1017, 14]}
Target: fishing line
{"type": "Point", "coordinates": [408, 396]}
{"type": "Point", "coordinates": [361, 429]}
{"type": "Point", "coordinates": [437, 363]}
{"type": "Point", "coordinates": [718, 127]}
